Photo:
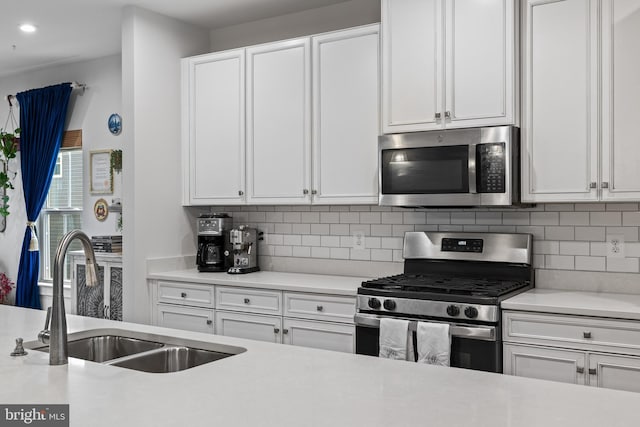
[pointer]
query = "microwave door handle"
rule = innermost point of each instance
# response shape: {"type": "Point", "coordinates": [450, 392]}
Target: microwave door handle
{"type": "Point", "coordinates": [472, 169]}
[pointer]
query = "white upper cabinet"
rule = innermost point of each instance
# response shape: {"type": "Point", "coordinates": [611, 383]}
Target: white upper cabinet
{"type": "Point", "coordinates": [448, 63]}
{"type": "Point", "coordinates": [214, 128]}
{"type": "Point", "coordinates": [279, 122]}
{"type": "Point", "coordinates": [346, 121]}
{"type": "Point", "coordinates": [581, 74]}
{"type": "Point", "coordinates": [620, 100]}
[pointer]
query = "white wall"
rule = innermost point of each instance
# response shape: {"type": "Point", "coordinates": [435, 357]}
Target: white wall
{"type": "Point", "coordinates": [329, 18]}
{"type": "Point", "coordinates": [87, 111]}
{"type": "Point", "coordinates": [155, 223]}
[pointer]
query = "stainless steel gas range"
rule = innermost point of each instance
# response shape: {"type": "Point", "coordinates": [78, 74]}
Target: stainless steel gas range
{"type": "Point", "coordinates": [457, 278]}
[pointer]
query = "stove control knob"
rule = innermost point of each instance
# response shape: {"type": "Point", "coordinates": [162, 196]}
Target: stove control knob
{"type": "Point", "coordinates": [389, 304]}
{"type": "Point", "coordinates": [471, 312]}
{"type": "Point", "coordinates": [453, 310]}
{"type": "Point", "coordinates": [374, 303]}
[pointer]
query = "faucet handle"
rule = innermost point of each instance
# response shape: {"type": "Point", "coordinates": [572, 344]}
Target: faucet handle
{"type": "Point", "coordinates": [44, 334]}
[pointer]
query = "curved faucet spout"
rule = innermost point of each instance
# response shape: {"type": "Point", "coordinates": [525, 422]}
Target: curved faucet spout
{"type": "Point", "coordinates": [58, 353]}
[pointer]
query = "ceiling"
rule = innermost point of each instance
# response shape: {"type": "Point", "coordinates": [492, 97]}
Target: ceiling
{"type": "Point", "coordinates": [76, 30]}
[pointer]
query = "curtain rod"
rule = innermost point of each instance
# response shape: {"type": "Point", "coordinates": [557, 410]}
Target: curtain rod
{"type": "Point", "coordinates": [74, 85]}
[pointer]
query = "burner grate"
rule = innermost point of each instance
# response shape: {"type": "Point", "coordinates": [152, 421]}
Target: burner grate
{"type": "Point", "coordinates": [423, 283]}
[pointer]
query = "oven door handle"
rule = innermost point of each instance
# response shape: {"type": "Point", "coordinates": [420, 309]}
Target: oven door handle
{"type": "Point", "coordinates": [486, 333]}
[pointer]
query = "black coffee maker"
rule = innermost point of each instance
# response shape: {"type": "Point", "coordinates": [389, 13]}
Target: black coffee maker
{"type": "Point", "coordinates": [214, 250]}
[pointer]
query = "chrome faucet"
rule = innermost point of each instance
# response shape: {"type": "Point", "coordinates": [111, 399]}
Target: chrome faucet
{"type": "Point", "coordinates": [57, 336]}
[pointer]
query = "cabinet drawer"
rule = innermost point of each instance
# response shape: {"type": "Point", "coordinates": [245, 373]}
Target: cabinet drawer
{"type": "Point", "coordinates": [571, 331]}
{"type": "Point", "coordinates": [185, 294]}
{"type": "Point", "coordinates": [320, 307]}
{"type": "Point", "coordinates": [250, 300]}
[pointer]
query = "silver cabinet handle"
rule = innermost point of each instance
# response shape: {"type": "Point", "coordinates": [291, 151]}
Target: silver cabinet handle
{"type": "Point", "coordinates": [586, 334]}
{"type": "Point", "coordinates": [604, 185]}
{"type": "Point", "coordinates": [285, 331]}
{"type": "Point", "coordinates": [580, 370]}
{"type": "Point", "coordinates": [438, 115]}
{"type": "Point", "coordinates": [183, 294]}
{"type": "Point", "coordinates": [305, 191]}
{"type": "Point", "coordinates": [593, 371]}
{"type": "Point", "coordinates": [209, 322]}
{"type": "Point", "coordinates": [593, 185]}
{"type": "Point", "coordinates": [247, 301]}
{"type": "Point", "coordinates": [240, 193]}
{"type": "Point", "coordinates": [314, 192]}
{"type": "Point", "coordinates": [319, 308]}
{"type": "Point", "coordinates": [447, 114]}
{"type": "Point", "coordinates": [276, 330]}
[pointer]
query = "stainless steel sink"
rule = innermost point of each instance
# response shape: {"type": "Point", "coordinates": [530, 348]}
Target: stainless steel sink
{"type": "Point", "coordinates": [171, 359]}
{"type": "Point", "coordinates": [141, 351]}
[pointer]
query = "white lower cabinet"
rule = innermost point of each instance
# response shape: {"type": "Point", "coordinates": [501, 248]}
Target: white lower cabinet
{"type": "Point", "coordinates": [572, 349]}
{"type": "Point", "coordinates": [323, 335]}
{"type": "Point", "coordinates": [188, 318]}
{"type": "Point", "coordinates": [249, 326]}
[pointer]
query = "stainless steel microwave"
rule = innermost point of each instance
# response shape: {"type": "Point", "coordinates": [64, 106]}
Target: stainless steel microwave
{"type": "Point", "coordinates": [457, 167]}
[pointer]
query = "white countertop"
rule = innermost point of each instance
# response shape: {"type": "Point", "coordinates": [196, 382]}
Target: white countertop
{"type": "Point", "coordinates": [316, 283]}
{"type": "Point", "coordinates": [281, 385]}
{"type": "Point", "coordinates": [597, 304]}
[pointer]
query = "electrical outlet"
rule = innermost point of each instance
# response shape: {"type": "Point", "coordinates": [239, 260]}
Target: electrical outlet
{"type": "Point", "coordinates": [615, 246]}
{"type": "Point", "coordinates": [358, 240]}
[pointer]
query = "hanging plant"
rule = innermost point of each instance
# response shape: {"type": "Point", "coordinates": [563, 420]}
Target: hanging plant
{"type": "Point", "coordinates": [116, 160]}
{"type": "Point", "coordinates": [8, 151]}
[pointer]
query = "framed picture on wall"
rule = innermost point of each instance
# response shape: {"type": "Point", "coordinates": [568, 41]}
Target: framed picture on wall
{"type": "Point", "coordinates": [101, 174]}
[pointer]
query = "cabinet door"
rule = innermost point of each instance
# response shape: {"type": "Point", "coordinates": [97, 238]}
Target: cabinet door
{"type": "Point", "coordinates": [187, 318]}
{"type": "Point", "coordinates": [620, 95]}
{"type": "Point", "coordinates": [560, 120]}
{"type": "Point", "coordinates": [545, 363]}
{"type": "Point", "coordinates": [90, 300]}
{"type": "Point", "coordinates": [617, 372]}
{"type": "Point", "coordinates": [412, 65]}
{"type": "Point", "coordinates": [279, 122]}
{"type": "Point", "coordinates": [250, 326]}
{"type": "Point", "coordinates": [214, 128]}
{"type": "Point", "coordinates": [480, 62]}
{"type": "Point", "coordinates": [327, 336]}
{"type": "Point", "coordinates": [345, 116]}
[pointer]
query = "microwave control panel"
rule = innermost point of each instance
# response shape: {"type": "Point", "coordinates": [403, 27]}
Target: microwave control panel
{"type": "Point", "coordinates": [491, 162]}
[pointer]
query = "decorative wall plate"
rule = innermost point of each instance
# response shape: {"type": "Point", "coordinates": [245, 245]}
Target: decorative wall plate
{"type": "Point", "coordinates": [115, 124]}
{"type": "Point", "coordinates": [101, 209]}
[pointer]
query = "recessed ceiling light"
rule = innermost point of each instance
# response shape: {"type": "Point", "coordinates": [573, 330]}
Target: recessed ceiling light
{"type": "Point", "coordinates": [27, 28]}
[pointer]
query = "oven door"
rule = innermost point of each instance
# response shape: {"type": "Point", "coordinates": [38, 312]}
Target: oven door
{"type": "Point", "coordinates": [477, 347]}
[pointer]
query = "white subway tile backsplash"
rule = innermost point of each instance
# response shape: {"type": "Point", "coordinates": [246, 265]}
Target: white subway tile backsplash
{"type": "Point", "coordinates": [329, 217]}
{"type": "Point", "coordinates": [320, 228]}
{"type": "Point", "coordinates": [591, 263]}
{"type": "Point", "coordinates": [349, 217]}
{"type": "Point", "coordinates": [339, 229]}
{"type": "Point", "coordinates": [381, 255]}
{"type": "Point", "coordinates": [623, 265]}
{"type": "Point", "coordinates": [590, 233]}
{"type": "Point", "coordinates": [545, 218]}
{"type": "Point", "coordinates": [574, 248]}
{"type": "Point", "coordinates": [566, 236]}
{"type": "Point", "coordinates": [380, 229]}
{"type": "Point", "coordinates": [605, 218]}
{"type": "Point", "coordinates": [631, 218]}
{"type": "Point", "coordinates": [574, 218]}
{"type": "Point", "coordinates": [391, 217]}
{"type": "Point", "coordinates": [559, 262]}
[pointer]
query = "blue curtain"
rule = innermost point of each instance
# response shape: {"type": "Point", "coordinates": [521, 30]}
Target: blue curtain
{"type": "Point", "coordinates": [42, 117]}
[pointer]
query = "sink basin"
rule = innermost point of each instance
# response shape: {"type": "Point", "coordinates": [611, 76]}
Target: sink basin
{"type": "Point", "coordinates": [141, 351]}
{"type": "Point", "coordinates": [171, 359]}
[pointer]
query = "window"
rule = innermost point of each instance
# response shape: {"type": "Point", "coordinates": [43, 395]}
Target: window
{"type": "Point", "coordinates": [62, 211]}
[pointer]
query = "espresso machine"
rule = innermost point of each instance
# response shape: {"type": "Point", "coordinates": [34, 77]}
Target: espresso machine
{"type": "Point", "coordinates": [214, 248]}
{"type": "Point", "coordinates": [244, 243]}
